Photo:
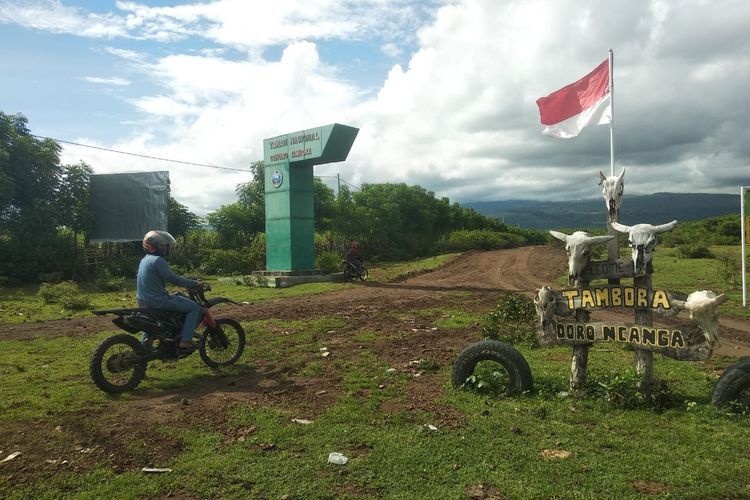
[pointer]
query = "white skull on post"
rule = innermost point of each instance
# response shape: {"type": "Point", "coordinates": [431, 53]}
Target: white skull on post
{"type": "Point", "coordinates": [612, 189]}
{"type": "Point", "coordinates": [704, 309]}
{"type": "Point", "coordinates": [578, 246]}
{"type": "Point", "coordinates": [642, 239]}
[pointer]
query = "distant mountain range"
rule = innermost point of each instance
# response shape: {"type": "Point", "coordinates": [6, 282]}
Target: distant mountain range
{"type": "Point", "coordinates": [653, 208]}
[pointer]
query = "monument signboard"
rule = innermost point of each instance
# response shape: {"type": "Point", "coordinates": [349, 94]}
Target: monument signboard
{"type": "Point", "coordinates": [288, 168]}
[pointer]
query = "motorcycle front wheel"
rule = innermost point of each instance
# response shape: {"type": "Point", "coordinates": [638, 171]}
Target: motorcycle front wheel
{"type": "Point", "coordinates": [222, 345]}
{"type": "Point", "coordinates": [114, 367]}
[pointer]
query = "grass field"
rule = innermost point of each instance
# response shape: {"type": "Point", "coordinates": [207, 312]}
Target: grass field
{"type": "Point", "coordinates": [22, 304]}
{"type": "Point", "coordinates": [79, 443]}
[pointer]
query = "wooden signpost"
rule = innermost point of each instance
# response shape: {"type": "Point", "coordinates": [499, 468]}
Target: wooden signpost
{"type": "Point", "coordinates": [564, 316]}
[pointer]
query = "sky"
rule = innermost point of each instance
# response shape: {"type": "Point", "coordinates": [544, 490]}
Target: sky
{"type": "Point", "coordinates": [443, 91]}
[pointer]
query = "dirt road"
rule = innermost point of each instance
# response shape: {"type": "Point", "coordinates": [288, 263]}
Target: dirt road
{"type": "Point", "coordinates": [486, 275]}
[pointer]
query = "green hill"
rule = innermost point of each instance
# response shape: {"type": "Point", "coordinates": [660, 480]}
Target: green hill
{"type": "Point", "coordinates": [653, 209]}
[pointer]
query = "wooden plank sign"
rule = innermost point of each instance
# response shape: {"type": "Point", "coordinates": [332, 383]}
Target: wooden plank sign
{"type": "Point", "coordinates": [680, 340]}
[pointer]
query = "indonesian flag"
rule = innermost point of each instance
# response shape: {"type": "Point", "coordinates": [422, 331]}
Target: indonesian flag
{"type": "Point", "coordinates": [586, 102]}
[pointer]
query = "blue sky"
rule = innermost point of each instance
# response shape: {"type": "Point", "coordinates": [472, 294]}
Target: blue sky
{"type": "Point", "coordinates": [443, 91]}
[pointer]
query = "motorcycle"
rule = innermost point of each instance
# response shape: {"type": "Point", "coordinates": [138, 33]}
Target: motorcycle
{"type": "Point", "coordinates": [352, 271]}
{"type": "Point", "coordinates": [119, 363]}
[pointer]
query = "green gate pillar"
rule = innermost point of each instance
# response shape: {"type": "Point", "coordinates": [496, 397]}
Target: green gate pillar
{"type": "Point", "coordinates": [288, 167]}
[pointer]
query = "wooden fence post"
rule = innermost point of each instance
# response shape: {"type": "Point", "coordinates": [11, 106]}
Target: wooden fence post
{"type": "Point", "coordinates": [579, 364]}
{"type": "Point", "coordinates": [644, 360]}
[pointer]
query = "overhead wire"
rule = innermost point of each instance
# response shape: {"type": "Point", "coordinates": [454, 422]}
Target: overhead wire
{"type": "Point", "coordinates": [141, 155]}
{"type": "Point", "coordinates": [339, 178]}
{"type": "Point", "coordinates": [150, 157]}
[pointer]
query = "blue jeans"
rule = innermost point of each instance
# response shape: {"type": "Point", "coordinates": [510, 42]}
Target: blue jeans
{"type": "Point", "coordinates": [184, 305]}
{"type": "Point", "coordinates": [192, 314]}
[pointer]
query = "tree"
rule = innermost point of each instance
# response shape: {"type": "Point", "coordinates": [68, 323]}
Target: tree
{"type": "Point", "coordinates": [399, 221]}
{"type": "Point", "coordinates": [180, 220]}
{"type": "Point", "coordinates": [31, 180]}
{"type": "Point", "coordinates": [325, 208]}
{"type": "Point", "coordinates": [31, 176]}
{"type": "Point", "coordinates": [234, 224]}
{"type": "Point", "coordinates": [251, 195]}
{"type": "Point", "coordinates": [73, 198]}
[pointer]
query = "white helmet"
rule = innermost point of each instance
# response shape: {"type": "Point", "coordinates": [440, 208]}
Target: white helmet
{"type": "Point", "coordinates": [158, 242]}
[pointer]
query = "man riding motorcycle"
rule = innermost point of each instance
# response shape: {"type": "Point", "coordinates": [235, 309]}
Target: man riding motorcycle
{"type": "Point", "coordinates": [353, 255]}
{"type": "Point", "coordinates": [153, 272]}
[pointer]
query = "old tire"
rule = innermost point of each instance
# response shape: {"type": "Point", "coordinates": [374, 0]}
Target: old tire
{"type": "Point", "coordinates": [112, 365]}
{"type": "Point", "coordinates": [519, 378]}
{"type": "Point", "coordinates": [733, 385]}
{"type": "Point", "coordinates": [224, 347]}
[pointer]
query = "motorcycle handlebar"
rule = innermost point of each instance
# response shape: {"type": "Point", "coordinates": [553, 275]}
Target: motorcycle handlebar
{"type": "Point", "coordinates": [205, 287]}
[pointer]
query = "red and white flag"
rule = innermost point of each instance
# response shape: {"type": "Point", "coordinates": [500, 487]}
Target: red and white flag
{"type": "Point", "coordinates": [586, 102]}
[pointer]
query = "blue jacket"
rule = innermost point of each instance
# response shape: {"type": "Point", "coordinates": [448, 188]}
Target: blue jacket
{"type": "Point", "coordinates": [153, 271]}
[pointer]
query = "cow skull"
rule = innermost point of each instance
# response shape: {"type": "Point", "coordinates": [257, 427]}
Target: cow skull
{"type": "Point", "coordinates": [544, 304]}
{"type": "Point", "coordinates": [704, 309]}
{"type": "Point", "coordinates": [578, 246]}
{"type": "Point", "coordinates": [642, 239]}
{"type": "Point", "coordinates": [612, 188]}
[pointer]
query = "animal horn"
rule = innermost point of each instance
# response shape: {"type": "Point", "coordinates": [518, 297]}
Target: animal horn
{"type": "Point", "coordinates": [679, 303]}
{"type": "Point", "coordinates": [664, 227]}
{"type": "Point", "coordinates": [602, 178]}
{"type": "Point", "coordinates": [593, 240]}
{"type": "Point", "coordinates": [559, 235]}
{"type": "Point", "coordinates": [622, 228]}
{"type": "Point", "coordinates": [622, 174]}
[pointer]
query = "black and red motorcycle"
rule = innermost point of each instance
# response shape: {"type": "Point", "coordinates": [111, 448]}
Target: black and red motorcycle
{"type": "Point", "coordinates": [353, 270]}
{"type": "Point", "coordinates": [119, 363]}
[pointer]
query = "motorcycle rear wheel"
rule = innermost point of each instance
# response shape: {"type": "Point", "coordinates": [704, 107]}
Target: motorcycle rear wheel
{"type": "Point", "coordinates": [223, 345]}
{"type": "Point", "coordinates": [363, 274]}
{"type": "Point", "coordinates": [113, 367]}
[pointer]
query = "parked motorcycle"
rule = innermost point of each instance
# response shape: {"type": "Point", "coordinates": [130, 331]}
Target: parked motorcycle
{"type": "Point", "coordinates": [119, 363]}
{"type": "Point", "coordinates": [352, 271]}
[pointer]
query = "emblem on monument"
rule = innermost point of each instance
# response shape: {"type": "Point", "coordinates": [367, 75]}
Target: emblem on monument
{"type": "Point", "coordinates": [277, 178]}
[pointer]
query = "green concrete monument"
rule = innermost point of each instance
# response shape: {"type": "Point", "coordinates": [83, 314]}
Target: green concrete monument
{"type": "Point", "coordinates": [288, 167]}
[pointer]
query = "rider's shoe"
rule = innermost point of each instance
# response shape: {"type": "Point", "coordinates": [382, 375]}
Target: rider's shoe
{"type": "Point", "coordinates": [187, 346]}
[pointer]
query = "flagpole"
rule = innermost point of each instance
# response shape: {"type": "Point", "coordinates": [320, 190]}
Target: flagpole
{"type": "Point", "coordinates": [612, 115]}
{"type": "Point", "coordinates": [743, 242]}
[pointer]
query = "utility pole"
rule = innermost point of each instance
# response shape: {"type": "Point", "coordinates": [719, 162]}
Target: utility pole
{"type": "Point", "coordinates": [338, 185]}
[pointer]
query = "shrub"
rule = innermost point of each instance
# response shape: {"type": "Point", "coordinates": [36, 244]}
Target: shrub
{"type": "Point", "coordinates": [730, 270]}
{"type": "Point", "coordinates": [623, 390]}
{"type": "Point", "coordinates": [480, 239]}
{"type": "Point", "coordinates": [65, 293]}
{"type": "Point", "coordinates": [512, 320]}
{"type": "Point", "coordinates": [251, 280]}
{"type": "Point", "coordinates": [256, 251]}
{"type": "Point", "coordinates": [328, 261]}
{"type": "Point", "coordinates": [694, 252]}
{"type": "Point", "coordinates": [228, 262]}
{"type": "Point", "coordinates": [108, 282]}
{"type": "Point", "coordinates": [53, 277]}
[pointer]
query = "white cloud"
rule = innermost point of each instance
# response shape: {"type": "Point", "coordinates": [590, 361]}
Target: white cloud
{"type": "Point", "coordinates": [117, 81]}
{"type": "Point", "coordinates": [391, 50]}
{"type": "Point", "coordinates": [53, 16]}
{"type": "Point", "coordinates": [128, 55]}
{"type": "Point", "coordinates": [460, 118]}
